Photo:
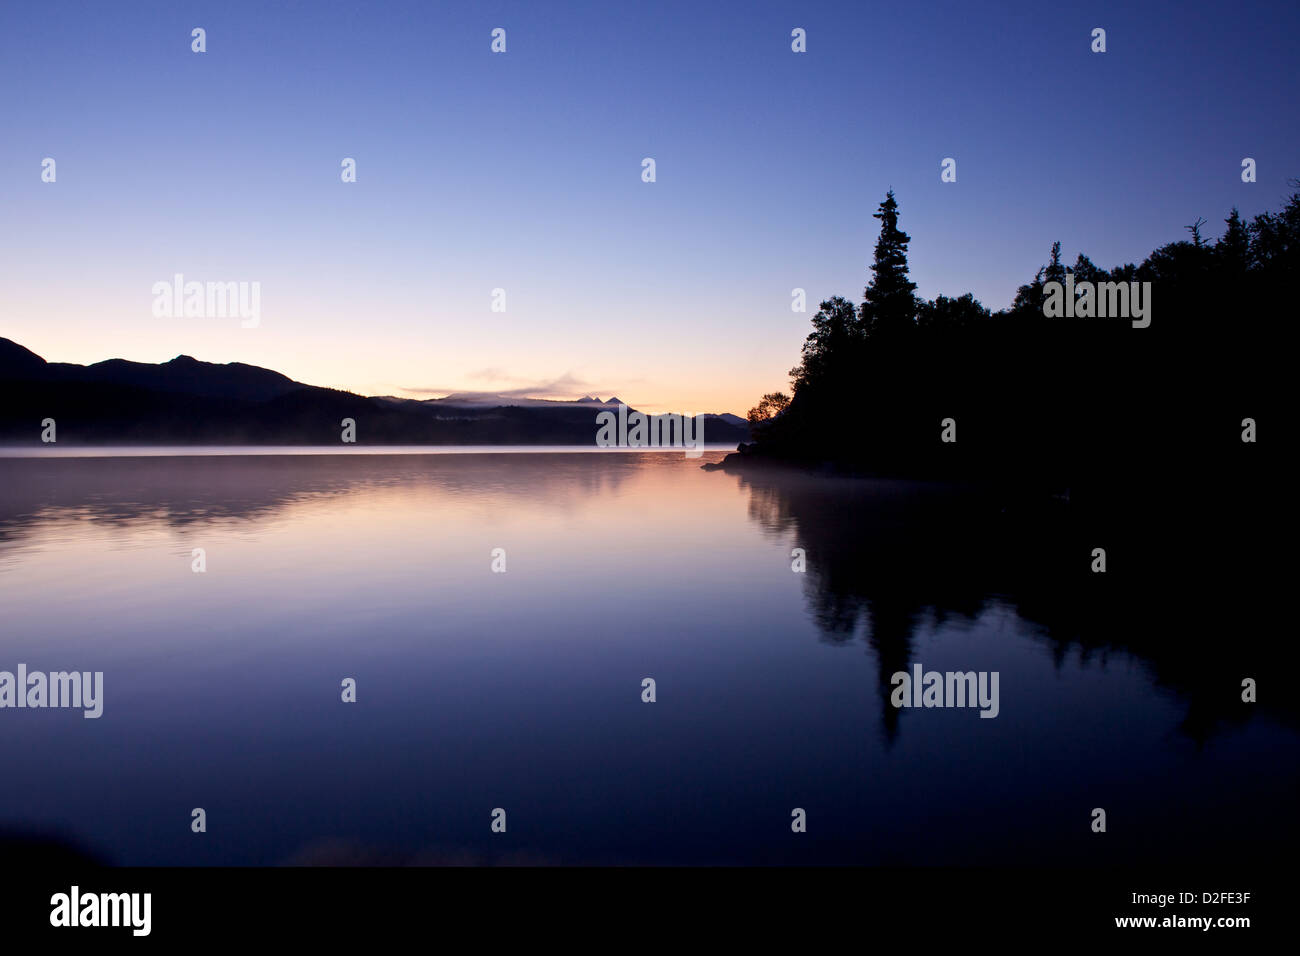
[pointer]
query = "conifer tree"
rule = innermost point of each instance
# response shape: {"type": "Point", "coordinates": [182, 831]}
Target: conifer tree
{"type": "Point", "coordinates": [1233, 250]}
{"type": "Point", "coordinates": [889, 302]}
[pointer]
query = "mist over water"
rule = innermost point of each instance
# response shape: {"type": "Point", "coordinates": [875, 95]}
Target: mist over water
{"type": "Point", "coordinates": [522, 690]}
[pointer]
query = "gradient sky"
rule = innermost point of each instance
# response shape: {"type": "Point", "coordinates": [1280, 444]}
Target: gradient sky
{"type": "Point", "coordinates": [523, 171]}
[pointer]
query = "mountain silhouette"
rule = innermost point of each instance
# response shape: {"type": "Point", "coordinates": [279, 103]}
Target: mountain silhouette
{"type": "Point", "coordinates": [187, 401]}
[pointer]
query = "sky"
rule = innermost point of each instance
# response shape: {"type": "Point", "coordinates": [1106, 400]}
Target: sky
{"type": "Point", "coordinates": [522, 171]}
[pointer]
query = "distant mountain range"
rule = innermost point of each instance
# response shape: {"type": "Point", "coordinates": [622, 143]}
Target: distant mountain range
{"type": "Point", "coordinates": [186, 401]}
{"type": "Point", "coordinates": [474, 399]}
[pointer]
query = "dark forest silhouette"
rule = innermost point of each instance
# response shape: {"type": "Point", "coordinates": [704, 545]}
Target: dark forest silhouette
{"type": "Point", "coordinates": [1080, 433]}
{"type": "Point", "coordinates": [1033, 397]}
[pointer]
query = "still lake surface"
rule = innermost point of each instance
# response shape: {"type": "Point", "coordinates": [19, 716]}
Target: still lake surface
{"type": "Point", "coordinates": [522, 690]}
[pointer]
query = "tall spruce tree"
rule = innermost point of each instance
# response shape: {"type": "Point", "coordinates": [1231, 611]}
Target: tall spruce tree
{"type": "Point", "coordinates": [1233, 250]}
{"type": "Point", "coordinates": [1055, 271]}
{"type": "Point", "coordinates": [889, 302]}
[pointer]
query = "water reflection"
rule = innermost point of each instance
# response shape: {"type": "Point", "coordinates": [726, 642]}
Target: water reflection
{"type": "Point", "coordinates": [887, 557]}
{"type": "Point", "coordinates": [182, 491]}
{"type": "Point", "coordinates": [523, 690]}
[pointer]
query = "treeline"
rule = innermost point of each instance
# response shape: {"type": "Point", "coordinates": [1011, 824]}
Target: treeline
{"type": "Point", "coordinates": [1042, 398]}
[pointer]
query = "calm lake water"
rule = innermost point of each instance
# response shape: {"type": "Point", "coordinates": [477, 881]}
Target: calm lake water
{"type": "Point", "coordinates": [523, 690]}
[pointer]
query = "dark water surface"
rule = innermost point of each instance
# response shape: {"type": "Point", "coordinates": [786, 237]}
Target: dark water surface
{"type": "Point", "coordinates": [522, 690]}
